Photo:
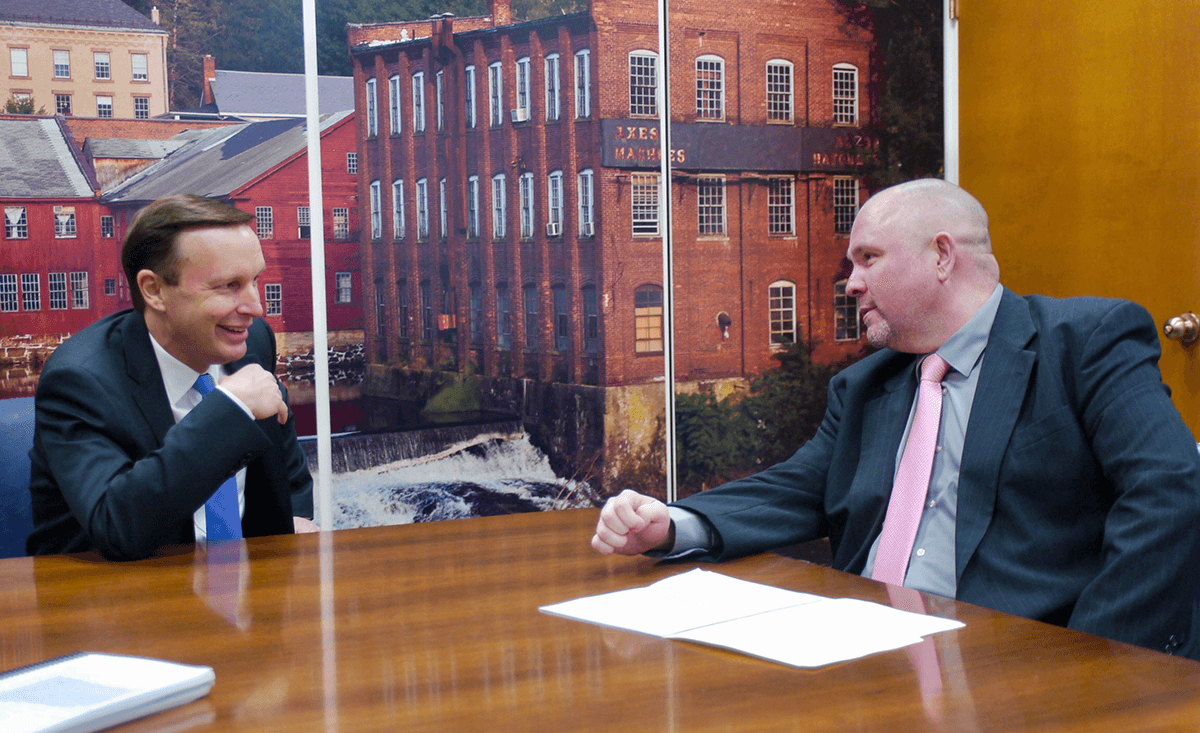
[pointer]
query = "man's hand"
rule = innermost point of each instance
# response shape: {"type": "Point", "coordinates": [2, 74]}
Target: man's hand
{"type": "Point", "coordinates": [631, 524]}
{"type": "Point", "coordinates": [259, 391]}
{"type": "Point", "coordinates": [304, 525]}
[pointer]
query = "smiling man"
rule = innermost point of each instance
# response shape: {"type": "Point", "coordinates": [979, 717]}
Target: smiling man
{"type": "Point", "coordinates": [1040, 468]}
{"type": "Point", "coordinates": [131, 441]}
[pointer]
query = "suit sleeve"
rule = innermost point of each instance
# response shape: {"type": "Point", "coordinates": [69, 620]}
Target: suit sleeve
{"type": "Point", "coordinates": [781, 505]}
{"type": "Point", "coordinates": [294, 462]}
{"type": "Point", "coordinates": [128, 502]}
{"type": "Point", "coordinates": [1146, 589]}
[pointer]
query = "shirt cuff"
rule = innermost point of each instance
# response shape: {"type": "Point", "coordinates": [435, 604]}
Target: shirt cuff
{"type": "Point", "coordinates": [693, 535]}
{"type": "Point", "coordinates": [237, 402]}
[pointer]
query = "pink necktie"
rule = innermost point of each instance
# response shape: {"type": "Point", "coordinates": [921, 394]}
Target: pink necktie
{"type": "Point", "coordinates": [912, 480]}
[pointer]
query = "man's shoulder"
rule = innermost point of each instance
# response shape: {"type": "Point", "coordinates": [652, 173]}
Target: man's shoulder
{"type": "Point", "coordinates": [1084, 314]}
{"type": "Point", "coordinates": [95, 344]}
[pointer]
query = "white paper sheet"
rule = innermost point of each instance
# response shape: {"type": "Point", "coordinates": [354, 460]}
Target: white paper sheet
{"type": "Point", "coordinates": [798, 629]}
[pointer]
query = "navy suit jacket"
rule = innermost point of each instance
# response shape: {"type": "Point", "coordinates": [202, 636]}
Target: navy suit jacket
{"type": "Point", "coordinates": [113, 472]}
{"type": "Point", "coordinates": [1079, 492]}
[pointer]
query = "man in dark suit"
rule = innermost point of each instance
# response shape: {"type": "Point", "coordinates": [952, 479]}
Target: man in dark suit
{"type": "Point", "coordinates": [1063, 484]}
{"type": "Point", "coordinates": [128, 445]}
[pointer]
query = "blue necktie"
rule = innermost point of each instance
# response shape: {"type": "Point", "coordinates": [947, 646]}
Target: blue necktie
{"type": "Point", "coordinates": [221, 510]}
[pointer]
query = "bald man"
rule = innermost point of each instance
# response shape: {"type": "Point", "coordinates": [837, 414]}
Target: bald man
{"type": "Point", "coordinates": [1064, 485]}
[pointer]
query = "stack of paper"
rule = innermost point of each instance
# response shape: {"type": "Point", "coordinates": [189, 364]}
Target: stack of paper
{"type": "Point", "coordinates": [798, 629]}
{"type": "Point", "coordinates": [90, 692]}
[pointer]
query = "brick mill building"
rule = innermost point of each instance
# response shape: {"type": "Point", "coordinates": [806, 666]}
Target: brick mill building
{"type": "Point", "coordinates": [509, 180]}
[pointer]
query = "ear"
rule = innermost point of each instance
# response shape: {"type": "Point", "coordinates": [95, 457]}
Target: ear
{"type": "Point", "coordinates": [151, 286]}
{"type": "Point", "coordinates": [946, 250]}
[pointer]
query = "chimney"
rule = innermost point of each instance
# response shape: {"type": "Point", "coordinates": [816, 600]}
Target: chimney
{"type": "Point", "coordinates": [210, 73]}
{"type": "Point", "coordinates": [501, 12]}
{"type": "Point", "coordinates": [154, 16]}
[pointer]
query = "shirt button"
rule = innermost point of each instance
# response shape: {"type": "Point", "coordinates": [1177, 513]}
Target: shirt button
{"type": "Point", "coordinates": [932, 503]}
{"type": "Point", "coordinates": [921, 553]}
{"type": "Point", "coordinates": [938, 449]}
{"type": "Point", "coordinates": [943, 389]}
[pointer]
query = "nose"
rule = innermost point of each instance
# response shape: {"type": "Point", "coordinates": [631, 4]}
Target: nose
{"type": "Point", "coordinates": [854, 284]}
{"type": "Point", "coordinates": [251, 304]}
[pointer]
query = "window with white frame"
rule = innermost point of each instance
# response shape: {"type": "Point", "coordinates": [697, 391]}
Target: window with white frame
{"type": "Point", "coordinates": [473, 206]}
{"type": "Point", "coordinates": [16, 224]}
{"type": "Point", "coordinates": [562, 318]}
{"type": "Point", "coordinates": [110, 286]}
{"type": "Point", "coordinates": [141, 108]}
{"type": "Point", "coordinates": [401, 309]}
{"type": "Point", "coordinates": [394, 123]}
{"type": "Point", "coordinates": [495, 94]}
{"type": "Point", "coordinates": [422, 209]}
{"type": "Point", "coordinates": [62, 104]}
{"type": "Point", "coordinates": [781, 206]}
{"type": "Point", "coordinates": [583, 84]}
{"type": "Point", "coordinates": [79, 290]}
{"type": "Point", "coordinates": [710, 88]}
{"type": "Point", "coordinates": [8, 293]}
{"type": "Point", "coordinates": [104, 106]}
{"type": "Point", "coordinates": [554, 204]}
{"type": "Point", "coordinates": [443, 224]}
{"type": "Point", "coordinates": [525, 190]}
{"type": "Point", "coordinates": [552, 87]}
{"type": "Point", "coordinates": [397, 209]}
{"type": "Point", "coordinates": [376, 210]}
{"type": "Point", "coordinates": [103, 63]}
{"type": "Point", "coordinates": [779, 90]}
{"type": "Point", "coordinates": [352, 163]}
{"type": "Point", "coordinates": [341, 224]}
{"type": "Point", "coordinates": [418, 101]}
{"type": "Point", "coordinates": [18, 61]}
{"type": "Point", "coordinates": [643, 83]}
{"type": "Point", "coordinates": [303, 222]}
{"type": "Point", "coordinates": [62, 64]}
{"type": "Point", "coordinates": [845, 314]}
{"type": "Point", "coordinates": [710, 205]}
{"type": "Point", "coordinates": [469, 95]}
{"type": "Point", "coordinates": [264, 222]}
{"type": "Point", "coordinates": [64, 222]}
{"type": "Point", "coordinates": [648, 320]}
{"type": "Point", "coordinates": [587, 221]}
{"type": "Point", "coordinates": [503, 318]}
{"type": "Point", "coordinates": [108, 228]}
{"type": "Point", "coordinates": [523, 100]}
{"type": "Point", "coordinates": [343, 288]}
{"type": "Point", "coordinates": [845, 94]}
{"type": "Point", "coordinates": [139, 67]}
{"type": "Point", "coordinates": [57, 282]}
{"type": "Point", "coordinates": [644, 202]}
{"type": "Point", "coordinates": [845, 203]}
{"type": "Point", "coordinates": [31, 291]}
{"type": "Point", "coordinates": [441, 107]}
{"type": "Point", "coordinates": [372, 109]}
{"type": "Point", "coordinates": [529, 297]}
{"type": "Point", "coordinates": [273, 295]}
{"type": "Point", "coordinates": [781, 307]}
{"type": "Point", "coordinates": [499, 206]}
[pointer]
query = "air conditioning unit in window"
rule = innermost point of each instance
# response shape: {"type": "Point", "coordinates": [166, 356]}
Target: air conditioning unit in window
{"type": "Point", "coordinates": [587, 229]}
{"type": "Point", "coordinates": [553, 229]}
{"type": "Point", "coordinates": [520, 115]}
{"type": "Point", "coordinates": [446, 321]}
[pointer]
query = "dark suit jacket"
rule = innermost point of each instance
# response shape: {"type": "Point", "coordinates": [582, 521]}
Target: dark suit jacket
{"type": "Point", "coordinates": [1079, 492]}
{"type": "Point", "coordinates": [113, 472]}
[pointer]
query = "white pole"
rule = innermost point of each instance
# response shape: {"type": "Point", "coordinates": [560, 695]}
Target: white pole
{"type": "Point", "coordinates": [316, 210]}
{"type": "Point", "coordinates": [950, 87]}
{"type": "Point", "coordinates": [664, 222]}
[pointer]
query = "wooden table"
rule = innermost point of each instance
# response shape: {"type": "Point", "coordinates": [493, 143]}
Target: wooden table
{"type": "Point", "coordinates": [435, 627]}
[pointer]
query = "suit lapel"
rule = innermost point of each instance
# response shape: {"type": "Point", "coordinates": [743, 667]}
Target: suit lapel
{"type": "Point", "coordinates": [1003, 381]}
{"type": "Point", "coordinates": [142, 366]}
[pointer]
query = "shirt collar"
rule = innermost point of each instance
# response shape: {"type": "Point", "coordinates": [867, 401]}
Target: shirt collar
{"type": "Point", "coordinates": [178, 377]}
{"type": "Point", "coordinates": [963, 350]}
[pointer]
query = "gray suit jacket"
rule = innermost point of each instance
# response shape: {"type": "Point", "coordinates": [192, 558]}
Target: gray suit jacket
{"type": "Point", "coordinates": [1079, 493]}
{"type": "Point", "coordinates": [111, 471]}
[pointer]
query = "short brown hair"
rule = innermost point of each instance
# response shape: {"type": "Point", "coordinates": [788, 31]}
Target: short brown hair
{"type": "Point", "coordinates": [150, 243]}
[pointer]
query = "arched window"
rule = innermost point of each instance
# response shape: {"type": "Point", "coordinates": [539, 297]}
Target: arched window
{"type": "Point", "coordinates": [710, 88]}
{"type": "Point", "coordinates": [845, 94]}
{"type": "Point", "coordinates": [780, 100]}
{"type": "Point", "coordinates": [781, 304]}
{"type": "Point", "coordinates": [643, 83]}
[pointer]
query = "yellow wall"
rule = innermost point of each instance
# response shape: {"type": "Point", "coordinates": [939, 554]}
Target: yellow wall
{"type": "Point", "coordinates": [1080, 133]}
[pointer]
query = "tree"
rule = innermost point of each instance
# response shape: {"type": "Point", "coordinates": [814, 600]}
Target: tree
{"type": "Point", "coordinates": [22, 106]}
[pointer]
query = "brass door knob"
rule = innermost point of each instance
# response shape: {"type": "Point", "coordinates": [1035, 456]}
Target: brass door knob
{"type": "Point", "coordinates": [1183, 328]}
